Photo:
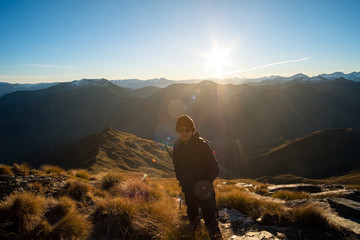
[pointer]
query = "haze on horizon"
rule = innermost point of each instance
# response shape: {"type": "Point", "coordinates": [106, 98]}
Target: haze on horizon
{"type": "Point", "coordinates": [49, 41]}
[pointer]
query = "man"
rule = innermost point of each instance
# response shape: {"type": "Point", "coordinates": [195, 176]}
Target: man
{"type": "Point", "coordinates": [196, 168]}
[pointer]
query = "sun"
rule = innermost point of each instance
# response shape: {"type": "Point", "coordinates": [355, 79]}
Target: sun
{"type": "Point", "coordinates": [217, 61]}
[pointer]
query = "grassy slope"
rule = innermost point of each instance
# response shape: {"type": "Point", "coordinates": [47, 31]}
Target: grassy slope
{"type": "Point", "coordinates": [108, 150]}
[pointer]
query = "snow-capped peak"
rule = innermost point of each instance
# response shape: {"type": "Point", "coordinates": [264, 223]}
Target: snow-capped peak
{"type": "Point", "coordinates": [354, 76]}
{"type": "Point", "coordinates": [90, 82]}
{"type": "Point", "coordinates": [297, 76]}
{"type": "Point", "coordinates": [334, 75]}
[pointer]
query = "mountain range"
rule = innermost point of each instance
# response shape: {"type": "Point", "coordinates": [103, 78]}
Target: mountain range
{"type": "Point", "coordinates": [242, 121]}
{"type": "Point", "coordinates": [163, 82]}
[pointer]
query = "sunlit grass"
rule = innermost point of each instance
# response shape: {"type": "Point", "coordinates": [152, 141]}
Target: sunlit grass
{"type": "Point", "coordinates": [5, 170]}
{"type": "Point", "coordinates": [52, 169]}
{"type": "Point", "coordinates": [22, 169]}
{"type": "Point", "coordinates": [289, 195]}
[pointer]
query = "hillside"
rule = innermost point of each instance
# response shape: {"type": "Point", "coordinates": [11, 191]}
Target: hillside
{"type": "Point", "coordinates": [322, 154]}
{"type": "Point", "coordinates": [107, 150]}
{"type": "Point", "coordinates": [64, 112]}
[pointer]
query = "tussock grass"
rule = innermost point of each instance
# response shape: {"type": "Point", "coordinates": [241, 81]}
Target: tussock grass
{"type": "Point", "coordinates": [168, 186]}
{"type": "Point", "coordinates": [57, 209]}
{"type": "Point", "coordinates": [22, 169]}
{"type": "Point", "coordinates": [114, 218]}
{"type": "Point", "coordinates": [72, 226]}
{"type": "Point", "coordinates": [289, 195]}
{"type": "Point", "coordinates": [5, 170]}
{"type": "Point", "coordinates": [157, 219]}
{"type": "Point", "coordinates": [238, 199]}
{"type": "Point", "coordinates": [63, 220]}
{"type": "Point", "coordinates": [137, 190]}
{"type": "Point", "coordinates": [227, 188]}
{"type": "Point", "coordinates": [111, 179]}
{"type": "Point", "coordinates": [20, 214]}
{"type": "Point", "coordinates": [77, 190]}
{"type": "Point", "coordinates": [36, 187]}
{"type": "Point", "coordinates": [81, 173]}
{"type": "Point", "coordinates": [310, 215]}
{"type": "Point", "coordinates": [262, 189]}
{"type": "Point", "coordinates": [50, 169]}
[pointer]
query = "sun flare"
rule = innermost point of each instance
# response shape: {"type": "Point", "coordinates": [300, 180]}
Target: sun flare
{"type": "Point", "coordinates": [217, 61]}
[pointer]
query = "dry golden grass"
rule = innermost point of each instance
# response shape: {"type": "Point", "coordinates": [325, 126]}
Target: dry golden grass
{"type": "Point", "coordinates": [81, 173]}
{"type": "Point", "coordinates": [72, 226]}
{"type": "Point", "coordinates": [168, 186]}
{"type": "Point", "coordinates": [50, 169]}
{"type": "Point", "coordinates": [5, 170]}
{"type": "Point", "coordinates": [77, 190]}
{"type": "Point", "coordinates": [20, 214]}
{"type": "Point", "coordinates": [21, 169]}
{"type": "Point", "coordinates": [113, 218]}
{"type": "Point", "coordinates": [289, 195]}
{"type": "Point", "coordinates": [158, 218]}
{"type": "Point", "coordinates": [111, 179]}
{"type": "Point", "coordinates": [238, 199]}
{"type": "Point", "coordinates": [36, 187]}
{"type": "Point", "coordinates": [262, 189]}
{"type": "Point", "coordinates": [312, 216]}
{"type": "Point", "coordinates": [137, 190]}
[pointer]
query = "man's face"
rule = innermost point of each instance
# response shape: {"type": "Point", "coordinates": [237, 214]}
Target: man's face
{"type": "Point", "coordinates": [184, 133]}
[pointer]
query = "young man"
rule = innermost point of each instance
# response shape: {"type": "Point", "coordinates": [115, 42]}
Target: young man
{"type": "Point", "coordinates": [196, 168]}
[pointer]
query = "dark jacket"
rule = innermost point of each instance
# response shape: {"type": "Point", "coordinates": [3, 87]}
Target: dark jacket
{"type": "Point", "coordinates": [194, 162]}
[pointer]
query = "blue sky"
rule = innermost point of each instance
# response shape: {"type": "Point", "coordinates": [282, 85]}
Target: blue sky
{"type": "Point", "coordinates": [46, 41]}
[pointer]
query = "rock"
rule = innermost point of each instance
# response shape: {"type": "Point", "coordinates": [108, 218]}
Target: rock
{"type": "Point", "coordinates": [10, 184]}
{"type": "Point", "coordinates": [346, 206]}
{"type": "Point", "coordinates": [262, 235]}
{"type": "Point", "coordinates": [310, 188]}
{"type": "Point", "coordinates": [245, 185]}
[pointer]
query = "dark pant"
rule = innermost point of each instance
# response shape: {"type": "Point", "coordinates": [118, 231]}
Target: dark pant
{"type": "Point", "coordinates": [209, 212]}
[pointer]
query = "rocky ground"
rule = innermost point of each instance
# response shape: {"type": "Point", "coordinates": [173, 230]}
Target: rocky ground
{"type": "Point", "coordinates": [10, 184]}
{"type": "Point", "coordinates": [343, 210]}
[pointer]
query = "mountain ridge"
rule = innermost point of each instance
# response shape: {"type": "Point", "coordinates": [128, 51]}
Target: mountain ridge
{"type": "Point", "coordinates": [321, 154]}
{"type": "Point", "coordinates": [107, 150]}
{"type": "Point", "coordinates": [163, 82]}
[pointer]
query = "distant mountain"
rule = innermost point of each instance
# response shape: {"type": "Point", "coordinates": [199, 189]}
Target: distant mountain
{"type": "Point", "coordinates": [61, 113]}
{"type": "Point", "coordinates": [322, 154]}
{"type": "Point", "coordinates": [136, 83]}
{"type": "Point", "coordinates": [8, 87]}
{"type": "Point", "coordinates": [271, 80]}
{"type": "Point", "coordinates": [163, 82]}
{"type": "Point", "coordinates": [241, 121]}
{"type": "Point", "coordinates": [354, 76]}
{"type": "Point", "coordinates": [107, 150]}
{"type": "Point", "coordinates": [156, 82]}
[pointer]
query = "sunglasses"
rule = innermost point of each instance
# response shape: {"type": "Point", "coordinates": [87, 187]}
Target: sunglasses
{"type": "Point", "coordinates": [187, 130]}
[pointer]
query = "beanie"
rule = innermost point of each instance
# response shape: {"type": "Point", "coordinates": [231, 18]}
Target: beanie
{"type": "Point", "coordinates": [185, 121]}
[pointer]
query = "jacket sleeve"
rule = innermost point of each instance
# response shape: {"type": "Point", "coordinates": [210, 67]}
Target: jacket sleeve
{"type": "Point", "coordinates": [210, 161]}
{"type": "Point", "coordinates": [176, 162]}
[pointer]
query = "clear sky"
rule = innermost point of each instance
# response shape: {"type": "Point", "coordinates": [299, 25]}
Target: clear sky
{"type": "Point", "coordinates": [64, 40]}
